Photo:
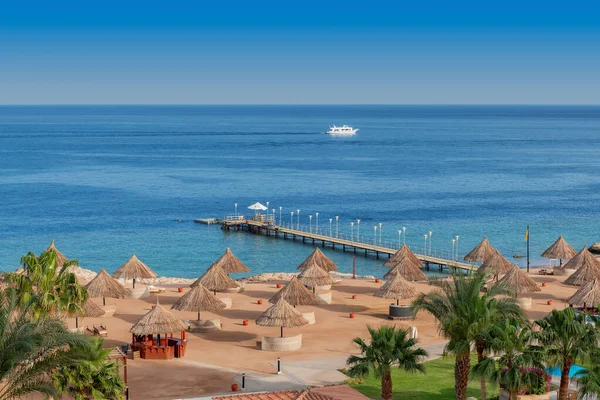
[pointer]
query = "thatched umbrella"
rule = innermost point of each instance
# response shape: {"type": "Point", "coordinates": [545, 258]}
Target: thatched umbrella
{"type": "Point", "coordinates": [559, 249]}
{"type": "Point", "coordinates": [90, 309]}
{"type": "Point", "coordinates": [199, 299]}
{"type": "Point", "coordinates": [396, 288]}
{"type": "Point", "coordinates": [60, 257]}
{"type": "Point", "coordinates": [158, 320]}
{"type": "Point", "coordinates": [587, 268]}
{"type": "Point", "coordinates": [318, 258]}
{"type": "Point", "coordinates": [587, 294]}
{"type": "Point", "coordinates": [295, 294]}
{"type": "Point", "coordinates": [230, 263]}
{"type": "Point", "coordinates": [103, 285]}
{"type": "Point", "coordinates": [407, 269]}
{"type": "Point", "coordinates": [480, 252]}
{"type": "Point", "coordinates": [517, 281]}
{"type": "Point", "coordinates": [315, 276]}
{"type": "Point", "coordinates": [496, 264]}
{"type": "Point", "coordinates": [283, 315]}
{"type": "Point", "coordinates": [134, 269]}
{"type": "Point", "coordinates": [401, 254]}
{"type": "Point", "coordinates": [215, 279]}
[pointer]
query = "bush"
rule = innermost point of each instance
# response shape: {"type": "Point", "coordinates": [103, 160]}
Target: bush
{"type": "Point", "coordinates": [541, 384]}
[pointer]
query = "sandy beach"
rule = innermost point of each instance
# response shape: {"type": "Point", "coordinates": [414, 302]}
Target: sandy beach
{"type": "Point", "coordinates": [215, 359]}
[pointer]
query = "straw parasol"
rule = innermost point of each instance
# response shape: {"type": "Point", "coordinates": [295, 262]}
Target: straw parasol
{"type": "Point", "coordinates": [559, 249]}
{"type": "Point", "coordinates": [230, 263]}
{"type": "Point", "coordinates": [103, 285]}
{"type": "Point", "coordinates": [396, 288]}
{"type": "Point", "coordinates": [587, 268]}
{"type": "Point", "coordinates": [60, 257]}
{"type": "Point", "coordinates": [495, 264]}
{"type": "Point", "coordinates": [134, 269]}
{"type": "Point", "coordinates": [404, 252]}
{"type": "Point", "coordinates": [257, 207]}
{"type": "Point", "coordinates": [407, 269]}
{"type": "Point", "coordinates": [283, 315]}
{"type": "Point", "coordinates": [587, 294]}
{"type": "Point", "coordinates": [481, 252]}
{"type": "Point", "coordinates": [315, 276]}
{"type": "Point", "coordinates": [317, 257]}
{"type": "Point", "coordinates": [295, 294]}
{"type": "Point", "coordinates": [158, 320]}
{"type": "Point", "coordinates": [198, 299]}
{"type": "Point", "coordinates": [518, 281]}
{"type": "Point", "coordinates": [215, 279]}
{"type": "Point", "coordinates": [90, 309]}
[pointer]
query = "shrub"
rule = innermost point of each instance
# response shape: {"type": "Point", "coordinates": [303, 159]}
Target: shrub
{"type": "Point", "coordinates": [540, 381]}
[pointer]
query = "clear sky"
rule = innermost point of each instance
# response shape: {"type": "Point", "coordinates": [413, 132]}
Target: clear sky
{"type": "Point", "coordinates": [219, 52]}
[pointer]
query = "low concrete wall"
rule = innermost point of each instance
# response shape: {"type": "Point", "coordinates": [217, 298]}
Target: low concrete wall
{"type": "Point", "coordinates": [401, 311]}
{"type": "Point", "coordinates": [205, 325]}
{"type": "Point", "coordinates": [228, 302]}
{"type": "Point", "coordinates": [525, 303]}
{"type": "Point", "coordinates": [291, 343]}
{"type": "Point", "coordinates": [325, 298]}
{"type": "Point", "coordinates": [140, 292]}
{"type": "Point", "coordinates": [109, 310]}
{"type": "Point", "coordinates": [310, 317]}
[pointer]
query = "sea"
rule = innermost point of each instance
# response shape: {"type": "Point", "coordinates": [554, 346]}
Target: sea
{"type": "Point", "coordinates": [106, 182]}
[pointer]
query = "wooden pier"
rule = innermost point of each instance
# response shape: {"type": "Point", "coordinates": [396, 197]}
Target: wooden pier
{"type": "Point", "coordinates": [267, 229]}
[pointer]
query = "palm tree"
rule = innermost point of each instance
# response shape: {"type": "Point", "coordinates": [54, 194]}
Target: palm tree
{"type": "Point", "coordinates": [566, 337]}
{"type": "Point", "coordinates": [30, 349]}
{"type": "Point", "coordinates": [589, 382]}
{"type": "Point", "coordinates": [465, 317]}
{"type": "Point", "coordinates": [94, 377]}
{"type": "Point", "coordinates": [512, 341]}
{"type": "Point", "coordinates": [388, 347]}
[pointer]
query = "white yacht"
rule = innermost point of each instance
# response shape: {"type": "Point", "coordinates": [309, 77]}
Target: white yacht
{"type": "Point", "coordinates": [344, 130]}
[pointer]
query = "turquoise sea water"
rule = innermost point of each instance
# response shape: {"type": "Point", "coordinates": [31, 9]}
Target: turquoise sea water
{"type": "Point", "coordinates": [109, 181]}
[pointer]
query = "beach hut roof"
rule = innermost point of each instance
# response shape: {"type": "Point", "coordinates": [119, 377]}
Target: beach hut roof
{"type": "Point", "coordinates": [60, 257]}
{"type": "Point", "coordinates": [587, 268]}
{"type": "Point", "coordinates": [396, 288]}
{"type": "Point", "coordinates": [560, 249]}
{"type": "Point", "coordinates": [587, 294]}
{"type": "Point", "coordinates": [480, 252]}
{"type": "Point", "coordinates": [518, 281]}
{"type": "Point", "coordinates": [198, 299]}
{"type": "Point", "coordinates": [257, 207]}
{"type": "Point", "coordinates": [103, 285]}
{"type": "Point", "coordinates": [230, 263]}
{"type": "Point", "coordinates": [281, 314]}
{"type": "Point", "coordinates": [315, 276]}
{"type": "Point", "coordinates": [495, 264]}
{"type": "Point", "coordinates": [407, 269]}
{"type": "Point", "coordinates": [134, 269]}
{"type": "Point", "coordinates": [92, 310]}
{"type": "Point", "coordinates": [215, 279]}
{"type": "Point", "coordinates": [401, 254]}
{"type": "Point", "coordinates": [295, 294]}
{"type": "Point", "coordinates": [157, 320]}
{"type": "Point", "coordinates": [318, 258]}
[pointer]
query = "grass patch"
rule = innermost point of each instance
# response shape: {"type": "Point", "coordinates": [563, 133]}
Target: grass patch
{"type": "Point", "coordinates": [436, 384]}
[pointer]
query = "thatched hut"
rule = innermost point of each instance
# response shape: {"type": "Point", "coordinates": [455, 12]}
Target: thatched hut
{"type": "Point", "coordinates": [407, 269]}
{"type": "Point", "coordinates": [559, 249]}
{"type": "Point", "coordinates": [587, 268]}
{"type": "Point", "coordinates": [319, 259]}
{"type": "Point", "coordinates": [480, 252]}
{"type": "Point", "coordinates": [396, 288]}
{"type": "Point", "coordinates": [587, 295]}
{"type": "Point", "coordinates": [517, 281]}
{"type": "Point", "coordinates": [496, 264]}
{"type": "Point", "coordinates": [295, 294]}
{"type": "Point", "coordinates": [215, 279]}
{"type": "Point", "coordinates": [401, 254]}
{"type": "Point", "coordinates": [230, 263]}
{"type": "Point", "coordinates": [103, 285]}
{"type": "Point", "coordinates": [281, 314]}
{"type": "Point", "coordinates": [134, 269]}
{"type": "Point", "coordinates": [315, 276]}
{"type": "Point", "coordinates": [60, 257]}
{"type": "Point", "coordinates": [198, 299]}
{"type": "Point", "coordinates": [91, 310]}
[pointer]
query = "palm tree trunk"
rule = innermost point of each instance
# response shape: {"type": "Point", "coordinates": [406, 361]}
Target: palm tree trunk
{"type": "Point", "coordinates": [386, 386]}
{"type": "Point", "coordinates": [480, 348]}
{"type": "Point", "coordinates": [513, 395]}
{"type": "Point", "coordinates": [462, 366]}
{"type": "Point", "coordinates": [563, 391]}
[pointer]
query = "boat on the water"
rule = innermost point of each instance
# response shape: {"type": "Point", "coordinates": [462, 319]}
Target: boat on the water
{"type": "Point", "coordinates": [343, 130]}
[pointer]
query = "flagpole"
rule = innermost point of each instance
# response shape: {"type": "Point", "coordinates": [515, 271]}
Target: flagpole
{"type": "Point", "coordinates": [527, 248]}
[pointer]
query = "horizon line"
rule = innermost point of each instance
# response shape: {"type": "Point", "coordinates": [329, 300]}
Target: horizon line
{"type": "Point", "coordinates": [297, 104]}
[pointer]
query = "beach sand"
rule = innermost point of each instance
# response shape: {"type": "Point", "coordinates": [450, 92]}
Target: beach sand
{"type": "Point", "coordinates": [234, 348]}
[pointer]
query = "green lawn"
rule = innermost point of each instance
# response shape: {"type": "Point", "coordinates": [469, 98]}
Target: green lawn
{"type": "Point", "coordinates": [436, 384]}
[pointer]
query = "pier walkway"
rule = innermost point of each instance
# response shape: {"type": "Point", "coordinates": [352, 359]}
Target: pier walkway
{"type": "Point", "coordinates": [344, 243]}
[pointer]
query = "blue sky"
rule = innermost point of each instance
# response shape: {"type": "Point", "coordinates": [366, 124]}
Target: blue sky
{"type": "Point", "coordinates": [427, 52]}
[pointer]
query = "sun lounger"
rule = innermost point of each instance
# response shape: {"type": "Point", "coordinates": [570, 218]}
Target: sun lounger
{"type": "Point", "coordinates": [545, 272]}
{"type": "Point", "coordinates": [100, 330]}
{"type": "Point", "coordinates": [155, 290]}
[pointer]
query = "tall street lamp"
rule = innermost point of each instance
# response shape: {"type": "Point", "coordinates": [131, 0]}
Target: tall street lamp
{"type": "Point", "coordinates": [310, 223]}
{"type": "Point", "coordinates": [453, 240]}
{"type": "Point", "coordinates": [456, 247]}
{"type": "Point", "coordinates": [291, 220]}
{"type": "Point", "coordinates": [337, 217]}
{"type": "Point", "coordinates": [399, 237]}
{"type": "Point", "coordinates": [267, 210]}
{"type": "Point", "coordinates": [358, 230]}
{"type": "Point", "coordinates": [273, 215]}
{"type": "Point", "coordinates": [330, 221]}
{"type": "Point", "coordinates": [425, 244]}
{"type": "Point", "coordinates": [404, 231]}
{"type": "Point", "coordinates": [429, 242]}
{"type": "Point", "coordinates": [375, 235]}
{"type": "Point", "coordinates": [351, 232]}
{"type": "Point", "coordinates": [235, 209]}
{"type": "Point", "coordinates": [380, 230]}
{"type": "Point", "coordinates": [317, 229]}
{"type": "Point", "coordinates": [298, 211]}
{"type": "Point", "coordinates": [280, 220]}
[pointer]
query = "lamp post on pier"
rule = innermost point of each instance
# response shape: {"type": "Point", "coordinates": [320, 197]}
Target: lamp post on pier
{"type": "Point", "coordinates": [337, 217]}
{"type": "Point", "coordinates": [425, 244]}
{"type": "Point", "coordinates": [317, 229]}
{"type": "Point", "coordinates": [267, 210]}
{"type": "Point", "coordinates": [298, 227]}
{"type": "Point", "coordinates": [235, 204]}
{"type": "Point", "coordinates": [273, 215]}
{"type": "Point", "coordinates": [430, 242]}
{"type": "Point", "coordinates": [380, 230]}
{"type": "Point", "coordinates": [358, 230]}
{"type": "Point", "coordinates": [330, 221]}
{"type": "Point", "coordinates": [453, 240]}
{"type": "Point", "coordinates": [291, 219]}
{"type": "Point", "coordinates": [280, 220]}
{"type": "Point", "coordinates": [399, 237]}
{"type": "Point", "coordinates": [456, 247]}
{"type": "Point", "coordinates": [375, 235]}
{"type": "Point", "coordinates": [351, 232]}
{"type": "Point", "coordinates": [310, 223]}
{"type": "Point", "coordinates": [404, 231]}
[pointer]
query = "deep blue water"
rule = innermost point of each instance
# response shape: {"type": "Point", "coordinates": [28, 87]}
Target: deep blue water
{"type": "Point", "coordinates": [109, 181]}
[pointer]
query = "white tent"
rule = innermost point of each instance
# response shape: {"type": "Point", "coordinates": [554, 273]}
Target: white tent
{"type": "Point", "coordinates": [257, 207]}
